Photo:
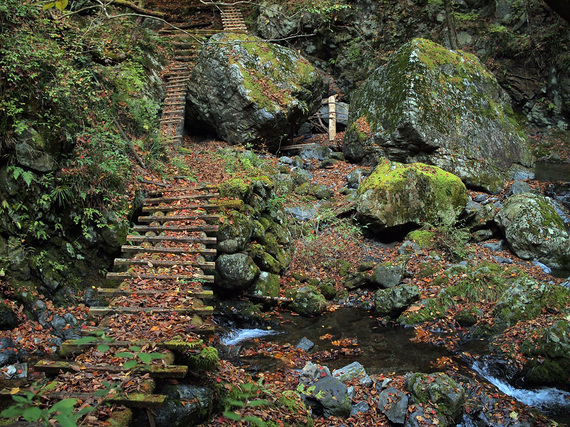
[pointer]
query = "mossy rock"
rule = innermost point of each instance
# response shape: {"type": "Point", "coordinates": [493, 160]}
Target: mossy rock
{"type": "Point", "coordinates": [266, 284]}
{"type": "Point", "coordinates": [308, 301]}
{"type": "Point", "coordinates": [423, 238]}
{"type": "Point", "coordinates": [205, 361]}
{"type": "Point", "coordinates": [328, 289]}
{"type": "Point", "coordinates": [432, 105]}
{"type": "Point", "coordinates": [397, 194]}
{"type": "Point", "coordinates": [441, 391]}
{"type": "Point", "coordinates": [534, 230]}
{"type": "Point", "coordinates": [234, 232]}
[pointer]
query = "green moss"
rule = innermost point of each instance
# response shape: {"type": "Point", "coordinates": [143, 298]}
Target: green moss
{"type": "Point", "coordinates": [439, 196]}
{"type": "Point", "coordinates": [421, 237]}
{"type": "Point", "coordinates": [206, 360]}
{"type": "Point", "coordinates": [270, 64]}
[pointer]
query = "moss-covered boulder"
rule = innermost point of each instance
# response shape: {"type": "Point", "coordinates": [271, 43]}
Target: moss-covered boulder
{"type": "Point", "coordinates": [534, 230]}
{"type": "Point", "coordinates": [308, 301]}
{"type": "Point", "coordinates": [441, 391]}
{"type": "Point", "coordinates": [266, 284]}
{"type": "Point", "coordinates": [234, 232]}
{"type": "Point", "coordinates": [392, 301]}
{"type": "Point", "coordinates": [441, 107]}
{"type": "Point", "coordinates": [250, 91]}
{"type": "Point", "coordinates": [396, 194]}
{"type": "Point", "coordinates": [235, 272]}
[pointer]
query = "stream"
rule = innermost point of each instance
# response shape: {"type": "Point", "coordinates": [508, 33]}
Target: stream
{"type": "Point", "coordinates": [386, 350]}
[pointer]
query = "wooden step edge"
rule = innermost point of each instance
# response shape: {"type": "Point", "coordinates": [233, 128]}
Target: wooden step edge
{"type": "Point", "coordinates": [175, 344]}
{"type": "Point", "coordinates": [156, 371]}
{"type": "Point", "coordinates": [140, 249]}
{"type": "Point", "coordinates": [103, 311]}
{"type": "Point", "coordinates": [112, 292]}
{"type": "Point", "coordinates": [120, 262]}
{"type": "Point", "coordinates": [178, 239]}
{"type": "Point", "coordinates": [192, 278]}
{"type": "Point", "coordinates": [207, 206]}
{"type": "Point", "coordinates": [160, 228]}
{"type": "Point", "coordinates": [183, 197]}
{"type": "Point", "coordinates": [154, 218]}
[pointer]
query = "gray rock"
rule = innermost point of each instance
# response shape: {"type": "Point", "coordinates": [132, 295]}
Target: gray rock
{"type": "Point", "coordinates": [394, 404]}
{"type": "Point", "coordinates": [503, 260]}
{"type": "Point", "coordinates": [366, 381]}
{"type": "Point", "coordinates": [359, 408]}
{"type": "Point", "coordinates": [431, 105]}
{"type": "Point", "coordinates": [498, 246]}
{"type": "Point", "coordinates": [348, 372]}
{"type": "Point", "coordinates": [534, 230]}
{"type": "Point", "coordinates": [355, 177]}
{"type": "Point", "coordinates": [302, 213]}
{"type": "Point", "coordinates": [409, 248]}
{"type": "Point", "coordinates": [355, 280]}
{"type": "Point", "coordinates": [543, 267]}
{"type": "Point", "coordinates": [286, 160]}
{"type": "Point", "coordinates": [32, 151]}
{"type": "Point", "coordinates": [186, 405]}
{"type": "Point", "coordinates": [235, 233]}
{"type": "Point", "coordinates": [311, 372]}
{"type": "Point", "coordinates": [15, 371]}
{"type": "Point", "coordinates": [388, 275]}
{"type": "Point", "coordinates": [332, 397]}
{"type": "Point", "coordinates": [301, 176]}
{"type": "Point", "coordinates": [520, 187]}
{"type": "Point", "coordinates": [391, 302]}
{"type": "Point", "coordinates": [319, 152]}
{"type": "Point", "coordinates": [8, 319]}
{"type": "Point", "coordinates": [305, 344]}
{"type": "Point", "coordinates": [8, 353]}
{"type": "Point", "coordinates": [224, 91]}
{"type": "Point", "coordinates": [235, 272]}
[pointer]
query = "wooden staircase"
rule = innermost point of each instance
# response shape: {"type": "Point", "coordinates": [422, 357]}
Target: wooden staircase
{"type": "Point", "coordinates": [158, 308]}
{"type": "Point", "coordinates": [232, 18]}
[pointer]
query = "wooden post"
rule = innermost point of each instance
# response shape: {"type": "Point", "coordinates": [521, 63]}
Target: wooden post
{"type": "Point", "coordinates": [332, 118]}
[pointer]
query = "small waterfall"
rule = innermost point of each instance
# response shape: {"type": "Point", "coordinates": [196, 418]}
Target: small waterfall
{"type": "Point", "coordinates": [239, 335]}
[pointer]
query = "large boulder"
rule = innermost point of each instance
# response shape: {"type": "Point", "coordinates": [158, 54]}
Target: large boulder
{"type": "Point", "coordinates": [235, 272]}
{"type": "Point", "coordinates": [534, 230]}
{"type": "Point", "coordinates": [392, 301]}
{"type": "Point", "coordinates": [396, 194]}
{"type": "Point", "coordinates": [250, 91]}
{"type": "Point", "coordinates": [441, 107]}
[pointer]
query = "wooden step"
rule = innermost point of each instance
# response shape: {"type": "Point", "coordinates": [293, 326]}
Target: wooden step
{"type": "Point", "coordinates": [156, 371]}
{"type": "Point", "coordinates": [153, 218]}
{"type": "Point", "coordinates": [178, 239]}
{"type": "Point", "coordinates": [140, 249]}
{"type": "Point", "coordinates": [72, 346]}
{"type": "Point", "coordinates": [158, 228]}
{"type": "Point", "coordinates": [160, 263]}
{"type": "Point", "coordinates": [103, 311]}
{"type": "Point", "coordinates": [195, 277]}
{"type": "Point", "coordinates": [113, 292]}
{"type": "Point", "coordinates": [185, 189]}
{"type": "Point", "coordinates": [184, 197]}
{"type": "Point", "coordinates": [173, 208]}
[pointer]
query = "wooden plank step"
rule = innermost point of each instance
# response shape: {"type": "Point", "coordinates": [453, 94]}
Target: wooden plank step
{"type": "Point", "coordinates": [156, 371]}
{"type": "Point", "coordinates": [179, 239]}
{"type": "Point", "coordinates": [139, 249]}
{"type": "Point", "coordinates": [72, 346]}
{"type": "Point", "coordinates": [159, 263]}
{"type": "Point", "coordinates": [173, 208]}
{"type": "Point", "coordinates": [103, 311]}
{"type": "Point", "coordinates": [132, 400]}
{"type": "Point", "coordinates": [193, 188]}
{"type": "Point", "coordinates": [192, 277]}
{"type": "Point", "coordinates": [112, 292]}
{"type": "Point", "coordinates": [184, 197]}
{"type": "Point", "coordinates": [203, 228]}
{"type": "Point", "coordinates": [152, 218]}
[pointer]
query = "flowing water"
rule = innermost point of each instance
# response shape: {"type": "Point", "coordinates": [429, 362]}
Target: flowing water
{"type": "Point", "coordinates": [385, 351]}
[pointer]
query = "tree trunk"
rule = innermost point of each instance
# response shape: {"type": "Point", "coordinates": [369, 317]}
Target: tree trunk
{"type": "Point", "coordinates": [450, 21]}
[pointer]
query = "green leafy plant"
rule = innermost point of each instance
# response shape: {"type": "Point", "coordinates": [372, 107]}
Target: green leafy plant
{"type": "Point", "coordinates": [136, 355]}
{"type": "Point", "coordinates": [28, 407]}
